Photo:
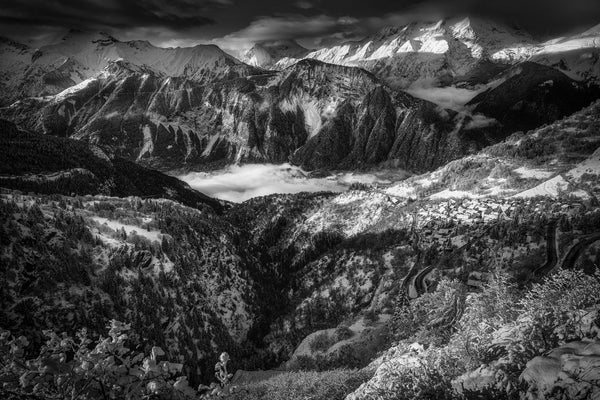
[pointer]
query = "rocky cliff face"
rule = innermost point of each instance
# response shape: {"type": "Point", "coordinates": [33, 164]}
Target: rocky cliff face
{"type": "Point", "coordinates": [531, 94]}
{"type": "Point", "coordinates": [318, 115]}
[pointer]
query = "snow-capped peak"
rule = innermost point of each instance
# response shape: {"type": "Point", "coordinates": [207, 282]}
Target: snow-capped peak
{"type": "Point", "coordinates": [265, 54]}
{"type": "Point", "coordinates": [577, 56]}
{"type": "Point", "coordinates": [593, 31]}
{"type": "Point", "coordinates": [425, 50]}
{"type": "Point", "coordinates": [80, 55]}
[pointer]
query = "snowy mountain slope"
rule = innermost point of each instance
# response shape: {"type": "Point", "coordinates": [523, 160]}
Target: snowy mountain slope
{"type": "Point", "coordinates": [174, 272]}
{"type": "Point", "coordinates": [558, 159]}
{"type": "Point", "coordinates": [577, 56]}
{"type": "Point", "coordinates": [469, 51]}
{"type": "Point", "coordinates": [83, 55]}
{"type": "Point", "coordinates": [303, 263]}
{"type": "Point", "coordinates": [95, 50]}
{"type": "Point", "coordinates": [266, 54]}
{"type": "Point", "coordinates": [432, 51]}
{"type": "Point", "coordinates": [275, 269]}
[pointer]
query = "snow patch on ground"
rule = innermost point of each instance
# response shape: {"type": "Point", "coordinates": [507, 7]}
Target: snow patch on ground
{"type": "Point", "coordinates": [590, 166]}
{"type": "Point", "coordinates": [550, 188]}
{"type": "Point", "coordinates": [148, 146]}
{"type": "Point", "coordinates": [402, 190]}
{"type": "Point", "coordinates": [532, 173]}
{"type": "Point", "coordinates": [570, 44]}
{"type": "Point", "coordinates": [448, 194]}
{"type": "Point", "coordinates": [362, 210]}
{"type": "Point", "coordinates": [73, 89]}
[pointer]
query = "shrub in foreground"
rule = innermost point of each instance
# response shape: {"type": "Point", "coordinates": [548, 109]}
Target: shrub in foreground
{"type": "Point", "coordinates": [80, 369]}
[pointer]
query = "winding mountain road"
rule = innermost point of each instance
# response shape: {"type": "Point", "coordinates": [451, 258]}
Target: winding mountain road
{"type": "Point", "coordinates": [551, 250]}
{"type": "Point", "coordinates": [419, 281]}
{"type": "Point", "coordinates": [577, 249]}
{"type": "Point", "coordinates": [553, 261]}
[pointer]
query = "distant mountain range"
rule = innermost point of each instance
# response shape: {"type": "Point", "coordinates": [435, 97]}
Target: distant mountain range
{"type": "Point", "coordinates": [82, 55]}
{"type": "Point", "coordinates": [446, 51]}
{"type": "Point", "coordinates": [377, 102]}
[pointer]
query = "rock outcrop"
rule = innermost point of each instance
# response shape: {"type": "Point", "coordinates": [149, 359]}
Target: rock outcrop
{"type": "Point", "coordinates": [570, 371]}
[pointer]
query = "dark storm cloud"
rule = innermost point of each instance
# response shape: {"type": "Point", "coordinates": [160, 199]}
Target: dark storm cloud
{"type": "Point", "coordinates": [291, 27]}
{"type": "Point", "coordinates": [237, 23]}
{"type": "Point", "coordinates": [540, 17]}
{"type": "Point", "coordinates": [178, 14]}
{"type": "Point", "coordinates": [325, 22]}
{"type": "Point", "coordinates": [33, 20]}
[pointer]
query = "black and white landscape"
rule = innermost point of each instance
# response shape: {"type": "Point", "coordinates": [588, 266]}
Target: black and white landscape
{"type": "Point", "coordinates": [369, 201]}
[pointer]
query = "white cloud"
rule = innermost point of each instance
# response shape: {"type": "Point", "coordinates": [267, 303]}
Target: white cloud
{"type": "Point", "coordinates": [240, 183]}
{"type": "Point", "coordinates": [447, 97]}
{"type": "Point", "coordinates": [480, 121]}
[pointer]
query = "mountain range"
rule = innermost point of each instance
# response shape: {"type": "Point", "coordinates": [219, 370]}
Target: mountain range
{"type": "Point", "coordinates": [200, 108]}
{"type": "Point", "coordinates": [451, 50]}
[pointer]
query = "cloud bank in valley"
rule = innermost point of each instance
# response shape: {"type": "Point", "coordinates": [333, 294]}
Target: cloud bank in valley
{"type": "Point", "coordinates": [449, 97]}
{"type": "Point", "coordinates": [240, 183]}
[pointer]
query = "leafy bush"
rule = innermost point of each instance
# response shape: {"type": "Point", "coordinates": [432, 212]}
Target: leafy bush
{"type": "Point", "coordinates": [370, 317]}
{"type": "Point", "coordinates": [552, 312]}
{"type": "Point", "coordinates": [343, 333]}
{"type": "Point", "coordinates": [79, 368]}
{"type": "Point", "coordinates": [321, 342]}
{"type": "Point", "coordinates": [431, 318]}
{"type": "Point", "coordinates": [430, 379]}
{"type": "Point", "coordinates": [485, 312]}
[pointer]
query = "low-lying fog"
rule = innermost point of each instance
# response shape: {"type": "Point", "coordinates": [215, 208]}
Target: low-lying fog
{"type": "Point", "coordinates": [240, 183]}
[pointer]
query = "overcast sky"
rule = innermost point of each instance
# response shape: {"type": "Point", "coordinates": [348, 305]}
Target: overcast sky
{"type": "Point", "coordinates": [234, 24]}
